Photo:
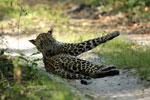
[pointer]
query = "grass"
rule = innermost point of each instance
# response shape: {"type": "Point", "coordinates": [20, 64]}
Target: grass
{"type": "Point", "coordinates": [133, 9]}
{"type": "Point", "coordinates": [33, 84]}
{"type": "Point", "coordinates": [125, 54]}
{"type": "Point", "coordinates": [32, 17]}
{"type": "Point", "coordinates": [7, 10]}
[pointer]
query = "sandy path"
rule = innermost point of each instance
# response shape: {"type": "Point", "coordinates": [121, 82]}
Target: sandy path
{"type": "Point", "coordinates": [141, 39]}
{"type": "Point", "coordinates": [125, 86]}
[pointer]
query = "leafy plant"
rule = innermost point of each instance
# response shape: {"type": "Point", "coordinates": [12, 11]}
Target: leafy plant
{"type": "Point", "coordinates": [32, 84]}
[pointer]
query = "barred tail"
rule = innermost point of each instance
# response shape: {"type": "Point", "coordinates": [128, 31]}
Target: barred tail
{"type": "Point", "coordinates": [108, 37]}
{"type": "Point", "coordinates": [78, 48]}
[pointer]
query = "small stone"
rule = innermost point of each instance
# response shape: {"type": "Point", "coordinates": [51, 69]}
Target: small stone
{"type": "Point", "coordinates": [86, 82]}
{"type": "Point", "coordinates": [118, 84]}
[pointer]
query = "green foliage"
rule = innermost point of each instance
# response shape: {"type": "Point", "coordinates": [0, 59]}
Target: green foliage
{"type": "Point", "coordinates": [7, 9]}
{"type": "Point", "coordinates": [6, 71]}
{"type": "Point", "coordinates": [11, 8]}
{"type": "Point", "coordinates": [35, 84]}
{"type": "Point", "coordinates": [118, 3]}
{"type": "Point", "coordinates": [132, 8]}
{"type": "Point", "coordinates": [93, 2]}
{"type": "Point", "coordinates": [125, 54]}
{"type": "Point", "coordinates": [32, 16]}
